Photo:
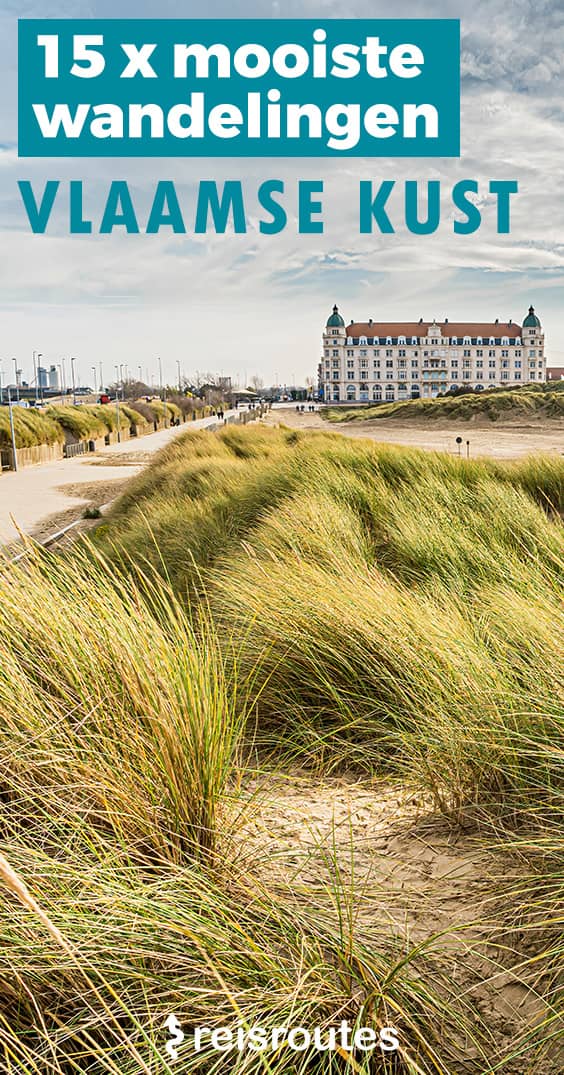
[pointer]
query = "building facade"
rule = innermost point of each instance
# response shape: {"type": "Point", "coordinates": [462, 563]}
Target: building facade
{"type": "Point", "coordinates": [373, 362]}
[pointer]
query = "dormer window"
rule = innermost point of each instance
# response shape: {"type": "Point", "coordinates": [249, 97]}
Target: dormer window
{"type": "Point", "coordinates": [467, 340]}
{"type": "Point", "coordinates": [479, 341]}
{"type": "Point", "coordinates": [454, 341]}
{"type": "Point", "coordinates": [363, 340]}
{"type": "Point", "coordinates": [505, 341]}
{"type": "Point", "coordinates": [401, 339]}
{"type": "Point", "coordinates": [492, 341]}
{"type": "Point", "coordinates": [388, 339]}
{"type": "Point", "coordinates": [414, 340]}
{"type": "Point", "coordinates": [349, 340]}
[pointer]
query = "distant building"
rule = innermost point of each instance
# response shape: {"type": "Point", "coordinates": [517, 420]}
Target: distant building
{"type": "Point", "coordinates": [42, 377]}
{"type": "Point", "coordinates": [54, 382]}
{"type": "Point", "coordinates": [373, 361]}
{"type": "Point", "coordinates": [555, 373]}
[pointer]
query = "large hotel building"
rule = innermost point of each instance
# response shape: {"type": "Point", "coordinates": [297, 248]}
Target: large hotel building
{"type": "Point", "coordinates": [371, 362]}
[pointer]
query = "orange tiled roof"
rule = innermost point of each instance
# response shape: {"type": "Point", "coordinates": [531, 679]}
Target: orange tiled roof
{"type": "Point", "coordinates": [419, 328]}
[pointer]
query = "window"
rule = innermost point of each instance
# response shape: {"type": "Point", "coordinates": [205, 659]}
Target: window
{"type": "Point", "coordinates": [517, 354]}
{"type": "Point", "coordinates": [414, 339]}
{"type": "Point", "coordinates": [492, 341]}
{"type": "Point", "coordinates": [505, 341]}
{"type": "Point", "coordinates": [376, 363]}
{"type": "Point", "coordinates": [388, 339]}
{"type": "Point", "coordinates": [326, 352]}
{"type": "Point", "coordinates": [454, 341]}
{"type": "Point", "coordinates": [414, 363]}
{"type": "Point", "coordinates": [479, 375]}
{"type": "Point", "coordinates": [389, 352]}
{"type": "Point", "coordinates": [389, 394]}
{"type": "Point", "coordinates": [335, 354]}
{"type": "Point", "coordinates": [401, 339]}
{"type": "Point", "coordinates": [351, 392]}
{"type": "Point", "coordinates": [517, 375]}
{"type": "Point", "coordinates": [389, 363]}
{"type": "Point", "coordinates": [517, 364]}
{"type": "Point", "coordinates": [491, 363]}
{"type": "Point", "coordinates": [504, 363]}
{"type": "Point", "coordinates": [402, 363]}
{"type": "Point", "coordinates": [491, 354]}
{"type": "Point", "coordinates": [376, 353]}
{"type": "Point", "coordinates": [467, 340]}
{"type": "Point", "coordinates": [364, 363]}
{"type": "Point", "coordinates": [466, 353]}
{"type": "Point", "coordinates": [363, 353]}
{"type": "Point", "coordinates": [505, 375]}
{"type": "Point", "coordinates": [377, 392]}
{"type": "Point", "coordinates": [335, 375]}
{"type": "Point", "coordinates": [479, 363]}
{"type": "Point", "coordinates": [350, 364]}
{"type": "Point", "coordinates": [505, 354]}
{"type": "Point", "coordinates": [479, 341]}
{"type": "Point", "coordinates": [532, 354]}
{"type": "Point", "coordinates": [532, 375]}
{"type": "Point", "coordinates": [363, 340]}
{"type": "Point", "coordinates": [479, 354]}
{"type": "Point", "coordinates": [350, 354]}
{"type": "Point", "coordinates": [401, 353]}
{"type": "Point", "coordinates": [454, 363]}
{"type": "Point", "coordinates": [389, 375]}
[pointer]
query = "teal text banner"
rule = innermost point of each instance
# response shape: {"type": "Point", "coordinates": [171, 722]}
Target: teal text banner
{"type": "Point", "coordinates": [239, 88]}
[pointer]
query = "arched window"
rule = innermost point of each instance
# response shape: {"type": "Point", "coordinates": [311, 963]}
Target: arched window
{"type": "Point", "coordinates": [414, 340]}
{"type": "Point", "coordinates": [401, 339]}
{"type": "Point", "coordinates": [492, 341]}
{"type": "Point", "coordinates": [388, 339]}
{"type": "Point", "coordinates": [479, 341]}
{"type": "Point", "coordinates": [363, 340]}
{"type": "Point", "coordinates": [505, 341]}
{"type": "Point", "coordinates": [454, 341]}
{"type": "Point", "coordinates": [377, 392]}
{"type": "Point", "coordinates": [351, 392]}
{"type": "Point", "coordinates": [364, 393]}
{"type": "Point", "coordinates": [467, 340]}
{"type": "Point", "coordinates": [415, 391]}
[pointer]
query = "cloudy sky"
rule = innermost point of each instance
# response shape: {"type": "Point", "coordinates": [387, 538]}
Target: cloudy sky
{"type": "Point", "coordinates": [255, 304]}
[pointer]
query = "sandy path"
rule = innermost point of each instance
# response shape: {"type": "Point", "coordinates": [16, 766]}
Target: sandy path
{"type": "Point", "coordinates": [509, 440]}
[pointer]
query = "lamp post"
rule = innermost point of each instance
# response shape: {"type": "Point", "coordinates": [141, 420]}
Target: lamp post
{"type": "Point", "coordinates": [163, 394]}
{"type": "Point", "coordinates": [101, 378]}
{"type": "Point", "coordinates": [117, 405]}
{"type": "Point", "coordinates": [39, 386]}
{"type": "Point", "coordinates": [60, 369]}
{"type": "Point", "coordinates": [12, 432]}
{"type": "Point", "coordinates": [64, 376]}
{"type": "Point", "coordinates": [94, 372]}
{"type": "Point", "coordinates": [1, 380]}
{"type": "Point", "coordinates": [73, 360]}
{"type": "Point", "coordinates": [35, 376]}
{"type": "Point", "coordinates": [17, 381]}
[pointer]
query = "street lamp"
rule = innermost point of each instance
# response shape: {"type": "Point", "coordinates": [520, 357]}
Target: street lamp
{"type": "Point", "coordinates": [94, 372]}
{"type": "Point", "coordinates": [73, 360]}
{"type": "Point", "coordinates": [35, 375]}
{"type": "Point", "coordinates": [163, 393]}
{"type": "Point", "coordinates": [117, 405]}
{"type": "Point", "coordinates": [12, 432]}
{"type": "Point", "coordinates": [17, 381]}
{"type": "Point", "coordinates": [64, 376]}
{"type": "Point", "coordinates": [60, 369]}
{"type": "Point", "coordinates": [39, 386]}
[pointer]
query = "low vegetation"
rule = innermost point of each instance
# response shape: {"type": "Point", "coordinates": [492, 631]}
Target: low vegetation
{"type": "Point", "coordinates": [31, 427]}
{"type": "Point", "coordinates": [490, 406]}
{"type": "Point", "coordinates": [86, 422]}
{"type": "Point", "coordinates": [265, 597]}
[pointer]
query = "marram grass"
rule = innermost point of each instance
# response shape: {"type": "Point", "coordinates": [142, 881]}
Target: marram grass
{"type": "Point", "coordinates": [338, 603]}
